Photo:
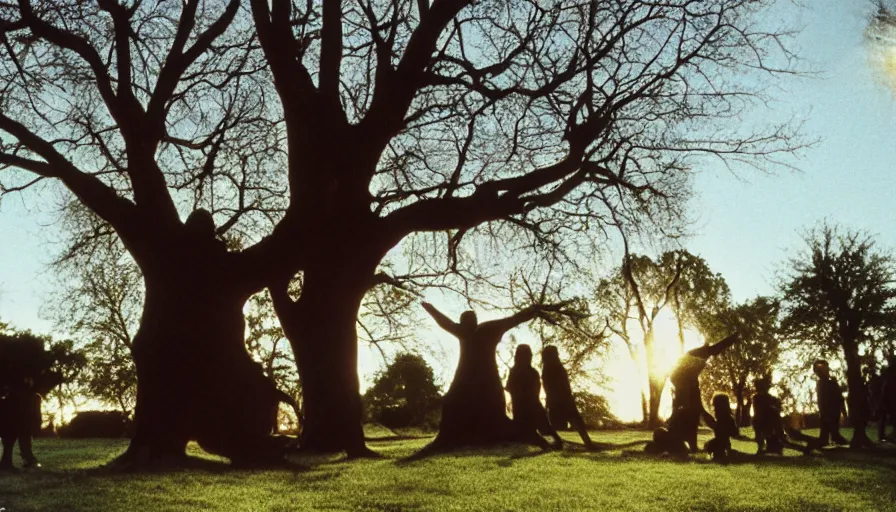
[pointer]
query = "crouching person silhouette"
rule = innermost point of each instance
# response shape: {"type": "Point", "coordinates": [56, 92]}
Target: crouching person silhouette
{"type": "Point", "coordinates": [524, 386]}
{"type": "Point", "coordinates": [723, 427]}
{"type": "Point", "coordinates": [767, 425]}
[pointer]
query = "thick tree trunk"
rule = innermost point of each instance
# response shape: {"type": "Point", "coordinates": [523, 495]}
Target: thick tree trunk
{"type": "Point", "coordinates": [857, 400]}
{"type": "Point", "coordinates": [196, 381]}
{"type": "Point", "coordinates": [322, 330]}
{"type": "Point", "coordinates": [655, 383]}
{"type": "Point", "coordinates": [656, 393]}
{"type": "Point", "coordinates": [645, 408]}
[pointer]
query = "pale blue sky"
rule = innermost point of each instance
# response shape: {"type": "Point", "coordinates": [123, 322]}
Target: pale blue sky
{"type": "Point", "coordinates": [743, 228]}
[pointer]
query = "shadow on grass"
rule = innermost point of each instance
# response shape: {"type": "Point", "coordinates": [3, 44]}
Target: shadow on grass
{"type": "Point", "coordinates": [196, 464]}
{"type": "Point", "coordinates": [880, 457]}
{"type": "Point", "coordinates": [396, 438]}
{"type": "Point", "coordinates": [863, 458]}
{"type": "Point", "coordinates": [430, 451]}
{"type": "Point", "coordinates": [602, 447]}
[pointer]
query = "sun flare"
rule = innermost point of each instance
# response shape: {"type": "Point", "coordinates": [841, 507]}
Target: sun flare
{"type": "Point", "coordinates": [628, 377]}
{"type": "Point", "coordinates": [881, 45]}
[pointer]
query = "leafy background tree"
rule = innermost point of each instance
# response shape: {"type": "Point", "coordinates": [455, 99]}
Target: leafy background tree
{"type": "Point", "coordinates": [756, 354]}
{"type": "Point", "coordinates": [839, 297]}
{"type": "Point", "coordinates": [269, 347]}
{"type": "Point", "coordinates": [633, 297]}
{"type": "Point", "coordinates": [98, 302]}
{"type": "Point", "coordinates": [630, 300]}
{"type": "Point", "coordinates": [595, 410]}
{"type": "Point", "coordinates": [699, 294]}
{"type": "Point", "coordinates": [405, 394]}
{"type": "Point", "coordinates": [24, 351]}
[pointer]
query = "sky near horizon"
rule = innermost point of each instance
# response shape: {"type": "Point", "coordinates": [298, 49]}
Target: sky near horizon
{"type": "Point", "coordinates": [743, 226]}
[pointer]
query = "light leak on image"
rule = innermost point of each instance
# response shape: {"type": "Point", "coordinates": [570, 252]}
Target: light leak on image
{"type": "Point", "coordinates": [880, 37]}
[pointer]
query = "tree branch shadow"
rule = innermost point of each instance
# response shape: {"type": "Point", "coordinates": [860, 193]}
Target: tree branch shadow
{"type": "Point", "coordinates": [194, 463]}
{"type": "Point", "coordinates": [433, 450]}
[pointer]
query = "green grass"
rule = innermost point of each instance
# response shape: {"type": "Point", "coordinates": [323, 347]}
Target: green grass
{"type": "Point", "coordinates": [507, 478]}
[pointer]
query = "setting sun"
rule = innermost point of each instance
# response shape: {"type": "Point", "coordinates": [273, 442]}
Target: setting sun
{"type": "Point", "coordinates": [628, 378]}
{"type": "Point", "coordinates": [447, 255]}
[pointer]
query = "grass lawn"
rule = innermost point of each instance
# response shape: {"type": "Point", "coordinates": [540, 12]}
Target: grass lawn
{"type": "Point", "coordinates": [508, 478]}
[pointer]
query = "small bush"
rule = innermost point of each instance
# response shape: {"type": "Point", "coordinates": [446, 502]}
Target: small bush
{"type": "Point", "coordinates": [95, 424]}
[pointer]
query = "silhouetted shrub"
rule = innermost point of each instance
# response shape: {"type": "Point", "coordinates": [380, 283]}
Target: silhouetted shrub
{"type": "Point", "coordinates": [404, 395]}
{"type": "Point", "coordinates": [96, 424]}
{"type": "Point", "coordinates": [595, 410]}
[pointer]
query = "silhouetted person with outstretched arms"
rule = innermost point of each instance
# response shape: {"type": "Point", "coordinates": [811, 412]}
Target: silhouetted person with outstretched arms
{"type": "Point", "coordinates": [830, 406]}
{"type": "Point", "coordinates": [687, 405]}
{"type": "Point", "coordinates": [558, 393]}
{"type": "Point", "coordinates": [685, 379]}
{"type": "Point", "coordinates": [524, 386]}
{"type": "Point", "coordinates": [474, 408]}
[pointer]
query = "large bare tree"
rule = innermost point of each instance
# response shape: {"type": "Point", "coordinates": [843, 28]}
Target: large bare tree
{"type": "Point", "coordinates": [398, 117]}
{"type": "Point", "coordinates": [144, 111]}
{"type": "Point", "coordinates": [425, 116]}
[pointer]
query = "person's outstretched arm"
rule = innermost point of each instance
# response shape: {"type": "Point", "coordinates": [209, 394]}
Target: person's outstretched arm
{"type": "Point", "coordinates": [505, 324]}
{"type": "Point", "coordinates": [708, 351]}
{"type": "Point", "coordinates": [443, 321]}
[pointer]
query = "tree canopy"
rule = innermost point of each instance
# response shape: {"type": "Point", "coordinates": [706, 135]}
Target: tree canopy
{"type": "Point", "coordinates": [404, 394]}
{"type": "Point", "coordinates": [757, 352]}
{"type": "Point", "coordinates": [839, 296]}
{"type": "Point", "coordinates": [326, 134]}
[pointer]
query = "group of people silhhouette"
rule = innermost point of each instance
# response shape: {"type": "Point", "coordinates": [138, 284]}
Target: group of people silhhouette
{"type": "Point", "coordinates": [474, 408]}
{"type": "Point", "coordinates": [476, 401]}
{"type": "Point", "coordinates": [680, 434]}
{"type": "Point", "coordinates": [530, 418]}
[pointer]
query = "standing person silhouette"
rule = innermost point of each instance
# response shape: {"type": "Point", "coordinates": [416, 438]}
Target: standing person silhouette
{"type": "Point", "coordinates": [886, 402]}
{"type": "Point", "coordinates": [18, 425]}
{"type": "Point", "coordinates": [723, 427]}
{"type": "Point", "coordinates": [524, 386]}
{"type": "Point", "coordinates": [21, 404]}
{"type": "Point", "coordinates": [474, 408]}
{"type": "Point", "coordinates": [830, 405]}
{"type": "Point", "coordinates": [25, 376]}
{"type": "Point", "coordinates": [561, 404]}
